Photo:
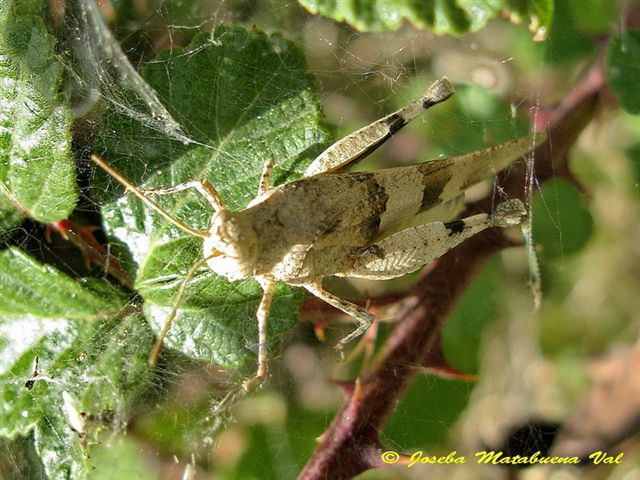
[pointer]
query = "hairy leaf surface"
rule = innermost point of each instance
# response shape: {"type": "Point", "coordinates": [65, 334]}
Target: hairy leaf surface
{"type": "Point", "coordinates": [441, 16]}
{"type": "Point", "coordinates": [37, 167]}
{"type": "Point", "coordinates": [87, 347]}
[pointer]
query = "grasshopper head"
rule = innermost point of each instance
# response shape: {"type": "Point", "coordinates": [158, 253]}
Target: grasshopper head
{"type": "Point", "coordinates": [236, 243]}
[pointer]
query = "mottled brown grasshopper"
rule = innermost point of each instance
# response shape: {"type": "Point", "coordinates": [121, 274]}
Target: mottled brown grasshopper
{"type": "Point", "coordinates": [331, 223]}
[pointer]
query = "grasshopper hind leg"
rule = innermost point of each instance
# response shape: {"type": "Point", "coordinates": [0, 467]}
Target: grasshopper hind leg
{"type": "Point", "coordinates": [360, 314]}
{"type": "Point", "coordinates": [413, 248]}
{"type": "Point", "coordinates": [363, 142]}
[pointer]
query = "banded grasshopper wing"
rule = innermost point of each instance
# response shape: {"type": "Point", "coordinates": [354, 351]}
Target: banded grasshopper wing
{"type": "Point", "coordinates": [333, 223]}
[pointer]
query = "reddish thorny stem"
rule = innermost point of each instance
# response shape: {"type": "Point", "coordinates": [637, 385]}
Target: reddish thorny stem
{"type": "Point", "coordinates": [351, 444]}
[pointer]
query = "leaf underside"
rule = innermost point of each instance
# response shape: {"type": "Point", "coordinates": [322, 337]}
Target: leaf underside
{"type": "Point", "coordinates": [442, 16]}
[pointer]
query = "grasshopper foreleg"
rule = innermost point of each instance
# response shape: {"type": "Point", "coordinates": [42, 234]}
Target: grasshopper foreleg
{"type": "Point", "coordinates": [268, 285]}
{"type": "Point", "coordinates": [263, 184]}
{"type": "Point", "coordinates": [204, 187]}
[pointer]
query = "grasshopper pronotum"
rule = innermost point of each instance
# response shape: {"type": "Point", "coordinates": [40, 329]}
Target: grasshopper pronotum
{"type": "Point", "coordinates": [331, 223]}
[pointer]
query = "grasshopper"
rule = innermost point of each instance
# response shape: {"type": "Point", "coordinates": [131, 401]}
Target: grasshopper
{"type": "Point", "coordinates": [336, 223]}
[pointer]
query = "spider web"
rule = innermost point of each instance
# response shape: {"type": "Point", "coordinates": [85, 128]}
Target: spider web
{"type": "Point", "coordinates": [359, 77]}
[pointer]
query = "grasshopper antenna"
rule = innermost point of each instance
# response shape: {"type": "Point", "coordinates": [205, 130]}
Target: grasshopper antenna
{"type": "Point", "coordinates": [157, 348]}
{"type": "Point", "coordinates": [139, 192]}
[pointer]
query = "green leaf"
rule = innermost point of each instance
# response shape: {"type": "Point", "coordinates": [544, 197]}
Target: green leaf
{"type": "Point", "coordinates": [593, 17]}
{"type": "Point", "coordinates": [568, 41]}
{"type": "Point", "coordinates": [442, 16]}
{"type": "Point", "coordinates": [19, 459]}
{"type": "Point", "coordinates": [26, 287]}
{"type": "Point", "coordinates": [461, 335]}
{"type": "Point", "coordinates": [427, 412]}
{"type": "Point", "coordinates": [84, 350]}
{"type": "Point", "coordinates": [121, 459]}
{"type": "Point", "coordinates": [10, 217]}
{"type": "Point", "coordinates": [242, 98]}
{"type": "Point", "coordinates": [562, 222]}
{"type": "Point", "coordinates": [36, 163]}
{"type": "Point", "coordinates": [623, 69]}
{"type": "Point", "coordinates": [538, 12]}
{"type": "Point", "coordinates": [493, 119]}
{"type": "Point", "coordinates": [633, 153]}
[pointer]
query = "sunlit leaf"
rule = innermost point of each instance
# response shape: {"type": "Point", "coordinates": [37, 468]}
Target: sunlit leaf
{"type": "Point", "coordinates": [61, 337]}
{"type": "Point", "coordinates": [36, 164]}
